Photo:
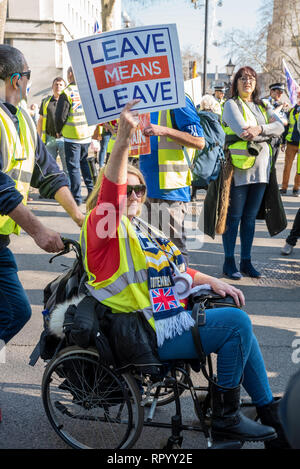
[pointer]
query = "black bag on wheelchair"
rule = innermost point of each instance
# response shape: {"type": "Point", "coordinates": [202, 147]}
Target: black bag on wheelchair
{"type": "Point", "coordinates": [198, 303]}
{"type": "Point", "coordinates": [60, 290]}
{"type": "Point", "coordinates": [212, 300]}
{"type": "Point", "coordinates": [65, 287]}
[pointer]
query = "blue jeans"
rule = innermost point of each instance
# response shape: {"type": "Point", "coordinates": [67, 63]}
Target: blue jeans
{"type": "Point", "coordinates": [15, 309]}
{"type": "Point", "coordinates": [76, 158]}
{"type": "Point", "coordinates": [228, 333]}
{"type": "Point", "coordinates": [103, 148]}
{"type": "Point", "coordinates": [244, 205]}
{"type": "Point", "coordinates": [56, 146]}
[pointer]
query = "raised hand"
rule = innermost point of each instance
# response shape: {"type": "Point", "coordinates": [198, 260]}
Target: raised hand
{"type": "Point", "coordinates": [129, 119]}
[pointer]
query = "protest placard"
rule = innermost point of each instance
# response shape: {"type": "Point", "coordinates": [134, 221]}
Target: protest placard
{"type": "Point", "coordinates": [139, 144]}
{"type": "Point", "coordinates": [114, 67]}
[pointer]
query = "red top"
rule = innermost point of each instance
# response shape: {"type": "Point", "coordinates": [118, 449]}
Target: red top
{"type": "Point", "coordinates": [103, 244]}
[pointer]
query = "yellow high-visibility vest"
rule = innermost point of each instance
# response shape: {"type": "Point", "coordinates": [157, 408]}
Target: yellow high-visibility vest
{"type": "Point", "coordinates": [174, 160]}
{"type": "Point", "coordinates": [76, 126]}
{"type": "Point", "coordinates": [44, 121]}
{"type": "Point", "coordinates": [127, 289]}
{"type": "Point", "coordinates": [293, 121]}
{"type": "Point", "coordinates": [240, 157]}
{"type": "Point", "coordinates": [18, 153]}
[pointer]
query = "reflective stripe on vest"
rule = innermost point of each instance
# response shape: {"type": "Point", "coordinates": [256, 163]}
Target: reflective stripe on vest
{"type": "Point", "coordinates": [18, 154]}
{"type": "Point", "coordinates": [240, 157]}
{"type": "Point", "coordinates": [293, 121]}
{"type": "Point", "coordinates": [173, 164]}
{"type": "Point", "coordinates": [44, 122]}
{"type": "Point", "coordinates": [76, 126]}
{"type": "Point", "coordinates": [127, 289]}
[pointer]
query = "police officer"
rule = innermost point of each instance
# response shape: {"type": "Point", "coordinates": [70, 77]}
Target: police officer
{"type": "Point", "coordinates": [72, 124]}
{"type": "Point", "coordinates": [275, 98]}
{"type": "Point", "coordinates": [281, 108]}
{"type": "Point", "coordinates": [24, 161]}
{"type": "Point", "coordinates": [219, 95]}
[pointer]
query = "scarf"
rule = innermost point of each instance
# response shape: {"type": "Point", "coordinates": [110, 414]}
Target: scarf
{"type": "Point", "coordinates": [170, 317]}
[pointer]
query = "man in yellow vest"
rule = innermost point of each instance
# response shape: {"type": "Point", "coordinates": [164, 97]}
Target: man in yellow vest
{"type": "Point", "coordinates": [24, 162]}
{"type": "Point", "coordinates": [46, 123]}
{"type": "Point", "coordinates": [175, 135]}
{"type": "Point", "coordinates": [292, 138]}
{"type": "Point", "coordinates": [71, 122]}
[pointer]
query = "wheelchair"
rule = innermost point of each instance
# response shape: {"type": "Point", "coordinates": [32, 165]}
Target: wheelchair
{"type": "Point", "coordinates": [92, 405]}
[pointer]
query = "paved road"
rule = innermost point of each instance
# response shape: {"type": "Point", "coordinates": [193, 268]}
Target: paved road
{"type": "Point", "coordinates": [272, 302]}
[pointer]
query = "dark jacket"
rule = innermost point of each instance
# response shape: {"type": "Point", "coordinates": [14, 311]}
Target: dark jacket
{"type": "Point", "coordinates": [132, 340]}
{"type": "Point", "coordinates": [271, 209]}
{"type": "Point", "coordinates": [62, 111]}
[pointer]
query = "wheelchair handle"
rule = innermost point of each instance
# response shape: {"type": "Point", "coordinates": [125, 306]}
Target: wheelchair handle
{"type": "Point", "coordinates": [70, 244]}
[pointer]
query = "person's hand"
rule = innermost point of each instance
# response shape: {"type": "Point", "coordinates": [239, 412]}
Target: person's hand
{"type": "Point", "coordinates": [286, 106]}
{"type": "Point", "coordinates": [95, 145]}
{"type": "Point", "coordinates": [283, 147]}
{"type": "Point", "coordinates": [48, 240]}
{"type": "Point", "coordinates": [153, 129]}
{"type": "Point", "coordinates": [251, 132]}
{"type": "Point", "coordinates": [129, 119]}
{"type": "Point", "coordinates": [79, 218]}
{"type": "Point", "coordinates": [223, 289]}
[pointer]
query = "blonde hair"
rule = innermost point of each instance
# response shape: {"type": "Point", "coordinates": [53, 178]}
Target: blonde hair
{"type": "Point", "coordinates": [209, 103]}
{"type": "Point", "coordinates": [92, 200]}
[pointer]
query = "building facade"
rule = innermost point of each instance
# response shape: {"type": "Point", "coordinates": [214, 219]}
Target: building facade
{"type": "Point", "coordinates": [283, 40]}
{"type": "Point", "coordinates": [41, 30]}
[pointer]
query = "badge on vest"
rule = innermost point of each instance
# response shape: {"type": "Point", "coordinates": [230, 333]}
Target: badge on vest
{"type": "Point", "coordinates": [163, 299]}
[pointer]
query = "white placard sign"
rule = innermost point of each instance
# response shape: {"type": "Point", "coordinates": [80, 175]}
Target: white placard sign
{"type": "Point", "coordinates": [135, 63]}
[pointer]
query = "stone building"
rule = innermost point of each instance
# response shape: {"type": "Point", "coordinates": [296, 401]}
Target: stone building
{"type": "Point", "coordinates": [41, 29]}
{"type": "Point", "coordinates": [283, 39]}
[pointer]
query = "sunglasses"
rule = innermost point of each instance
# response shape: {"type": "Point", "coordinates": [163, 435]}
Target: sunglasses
{"type": "Point", "coordinates": [26, 74]}
{"type": "Point", "coordinates": [139, 190]}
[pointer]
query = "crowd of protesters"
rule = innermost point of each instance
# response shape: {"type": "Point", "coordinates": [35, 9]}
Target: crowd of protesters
{"type": "Point", "coordinates": [239, 138]}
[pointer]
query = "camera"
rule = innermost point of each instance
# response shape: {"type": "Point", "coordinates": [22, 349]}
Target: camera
{"type": "Point", "coordinates": [254, 148]}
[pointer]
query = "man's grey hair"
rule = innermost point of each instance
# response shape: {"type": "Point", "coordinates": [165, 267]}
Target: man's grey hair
{"type": "Point", "coordinates": [11, 61]}
{"type": "Point", "coordinates": [209, 103]}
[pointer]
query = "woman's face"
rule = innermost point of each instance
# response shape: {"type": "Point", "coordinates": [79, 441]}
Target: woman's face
{"type": "Point", "coordinates": [246, 85]}
{"type": "Point", "coordinates": [134, 201]}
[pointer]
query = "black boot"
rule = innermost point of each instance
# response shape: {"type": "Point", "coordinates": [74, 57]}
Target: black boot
{"type": "Point", "coordinates": [228, 422]}
{"type": "Point", "coordinates": [268, 415]}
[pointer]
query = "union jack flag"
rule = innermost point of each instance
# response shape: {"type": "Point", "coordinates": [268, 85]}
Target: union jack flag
{"type": "Point", "coordinates": [76, 102]}
{"type": "Point", "coordinates": [292, 85]}
{"type": "Point", "coordinates": [97, 29]}
{"type": "Point", "coordinates": [163, 299]}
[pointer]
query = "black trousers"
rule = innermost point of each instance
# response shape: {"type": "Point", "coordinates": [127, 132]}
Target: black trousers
{"type": "Point", "coordinates": [295, 231]}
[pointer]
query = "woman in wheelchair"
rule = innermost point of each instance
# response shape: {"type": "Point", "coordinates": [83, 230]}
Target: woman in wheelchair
{"type": "Point", "coordinates": [131, 267]}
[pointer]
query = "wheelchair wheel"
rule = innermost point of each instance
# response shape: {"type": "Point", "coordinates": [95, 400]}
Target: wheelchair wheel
{"type": "Point", "coordinates": [166, 395]}
{"type": "Point", "coordinates": [88, 404]}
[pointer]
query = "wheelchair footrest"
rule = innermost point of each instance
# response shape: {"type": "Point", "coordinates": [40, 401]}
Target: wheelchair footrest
{"type": "Point", "coordinates": [226, 444]}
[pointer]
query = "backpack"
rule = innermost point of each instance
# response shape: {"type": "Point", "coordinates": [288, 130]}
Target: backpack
{"type": "Point", "coordinates": [72, 316]}
{"type": "Point", "coordinates": [207, 162]}
{"type": "Point", "coordinates": [66, 286]}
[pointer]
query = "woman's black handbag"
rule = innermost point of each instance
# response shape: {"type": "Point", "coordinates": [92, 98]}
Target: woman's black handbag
{"type": "Point", "coordinates": [198, 303]}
